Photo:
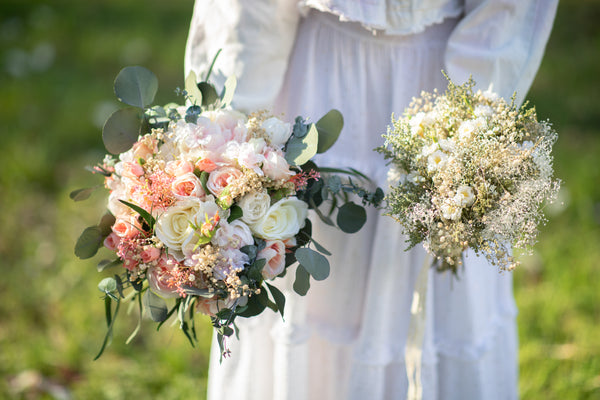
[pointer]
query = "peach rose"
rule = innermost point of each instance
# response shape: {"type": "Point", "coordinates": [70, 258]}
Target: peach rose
{"type": "Point", "coordinates": [274, 254]}
{"type": "Point", "coordinates": [187, 185]}
{"type": "Point", "coordinates": [220, 178]}
{"type": "Point", "coordinates": [112, 241]}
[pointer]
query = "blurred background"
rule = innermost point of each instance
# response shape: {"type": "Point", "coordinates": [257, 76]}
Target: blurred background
{"type": "Point", "coordinates": [58, 60]}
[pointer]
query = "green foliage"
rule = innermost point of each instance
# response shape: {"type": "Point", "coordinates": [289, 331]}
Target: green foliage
{"type": "Point", "coordinates": [351, 217]}
{"type": "Point", "coordinates": [302, 281]}
{"type": "Point", "coordinates": [313, 262]}
{"type": "Point", "coordinates": [329, 128]}
{"type": "Point", "coordinates": [121, 130]}
{"type": "Point", "coordinates": [136, 86]}
{"type": "Point", "coordinates": [301, 149]}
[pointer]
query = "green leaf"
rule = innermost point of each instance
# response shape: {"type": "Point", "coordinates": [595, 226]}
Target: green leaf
{"type": "Point", "coordinates": [315, 263]}
{"type": "Point", "coordinates": [106, 223]}
{"type": "Point", "coordinates": [228, 91]}
{"type": "Point", "coordinates": [108, 285]}
{"type": "Point", "coordinates": [278, 297]}
{"type": "Point", "coordinates": [204, 180]}
{"type": "Point", "coordinates": [209, 94]}
{"type": "Point", "coordinates": [235, 212]}
{"type": "Point", "coordinates": [329, 128]}
{"type": "Point", "coordinates": [302, 282]}
{"type": "Point", "coordinates": [139, 324]}
{"type": "Point", "coordinates": [89, 242]}
{"type": "Point", "coordinates": [253, 307]}
{"type": "Point", "coordinates": [320, 248]}
{"type": "Point", "coordinates": [351, 217]}
{"type": "Point", "coordinates": [136, 86]}
{"type": "Point", "coordinates": [110, 320]}
{"type": "Point", "coordinates": [263, 298]}
{"type": "Point", "coordinates": [199, 292]}
{"type": "Point", "coordinates": [191, 87]}
{"type": "Point", "coordinates": [155, 306]}
{"type": "Point", "coordinates": [121, 130]}
{"type": "Point", "coordinates": [82, 194]}
{"type": "Point", "coordinates": [104, 264]}
{"type": "Point", "coordinates": [334, 183]}
{"type": "Point", "coordinates": [300, 150]}
{"type": "Point", "coordinates": [150, 220]}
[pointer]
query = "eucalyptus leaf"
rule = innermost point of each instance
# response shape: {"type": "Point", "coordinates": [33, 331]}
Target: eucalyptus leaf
{"type": "Point", "coordinates": [278, 297]}
{"type": "Point", "coordinates": [300, 150]}
{"type": "Point", "coordinates": [107, 285]}
{"type": "Point", "coordinates": [89, 242]}
{"type": "Point", "coordinates": [121, 130]}
{"type": "Point", "coordinates": [320, 248]}
{"type": "Point", "coordinates": [192, 113]}
{"type": "Point", "coordinates": [228, 91]}
{"type": "Point", "coordinates": [83, 194]}
{"type": "Point", "coordinates": [351, 217]}
{"type": "Point", "coordinates": [329, 128]}
{"type": "Point", "coordinates": [106, 223]}
{"type": "Point", "coordinates": [105, 264]}
{"type": "Point", "coordinates": [253, 307]}
{"type": "Point", "coordinates": [209, 94]}
{"type": "Point", "coordinates": [199, 292]}
{"type": "Point", "coordinates": [315, 263]}
{"type": "Point", "coordinates": [155, 306]}
{"type": "Point", "coordinates": [300, 129]}
{"type": "Point", "coordinates": [191, 87]}
{"type": "Point", "coordinates": [136, 86]}
{"type": "Point", "coordinates": [334, 183]}
{"type": "Point", "coordinates": [302, 281]}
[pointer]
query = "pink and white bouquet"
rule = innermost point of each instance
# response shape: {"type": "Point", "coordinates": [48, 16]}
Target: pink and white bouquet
{"type": "Point", "coordinates": [469, 170]}
{"type": "Point", "coordinates": [208, 205]}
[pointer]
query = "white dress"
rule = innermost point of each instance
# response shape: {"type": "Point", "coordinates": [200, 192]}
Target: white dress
{"type": "Point", "coordinates": [346, 338]}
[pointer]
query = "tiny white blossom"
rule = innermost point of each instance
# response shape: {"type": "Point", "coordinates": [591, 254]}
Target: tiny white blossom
{"type": "Point", "coordinates": [436, 160]}
{"type": "Point", "coordinates": [464, 196]}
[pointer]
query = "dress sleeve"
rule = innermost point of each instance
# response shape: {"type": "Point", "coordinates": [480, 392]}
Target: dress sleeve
{"type": "Point", "coordinates": [500, 42]}
{"type": "Point", "coordinates": [256, 38]}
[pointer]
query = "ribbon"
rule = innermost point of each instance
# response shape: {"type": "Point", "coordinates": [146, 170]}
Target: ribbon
{"type": "Point", "coordinates": [413, 355]}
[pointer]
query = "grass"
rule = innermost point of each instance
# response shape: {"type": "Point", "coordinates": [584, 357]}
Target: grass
{"type": "Point", "coordinates": [58, 60]}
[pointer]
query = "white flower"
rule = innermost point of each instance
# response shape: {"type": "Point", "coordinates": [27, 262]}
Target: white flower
{"type": "Point", "coordinates": [451, 210]}
{"type": "Point", "coordinates": [416, 124]}
{"type": "Point", "coordinates": [469, 127]}
{"type": "Point", "coordinates": [427, 150]}
{"type": "Point", "coordinates": [436, 160]}
{"type": "Point", "coordinates": [232, 261]}
{"type": "Point", "coordinates": [254, 206]}
{"type": "Point", "coordinates": [464, 196]}
{"type": "Point", "coordinates": [448, 145]}
{"type": "Point", "coordinates": [395, 175]}
{"type": "Point", "coordinates": [278, 131]}
{"type": "Point", "coordinates": [282, 221]}
{"type": "Point", "coordinates": [173, 227]}
{"type": "Point", "coordinates": [483, 111]}
{"type": "Point", "coordinates": [234, 235]}
{"type": "Point", "coordinates": [415, 177]}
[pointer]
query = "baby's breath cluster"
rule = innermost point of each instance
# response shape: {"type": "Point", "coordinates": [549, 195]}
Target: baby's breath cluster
{"type": "Point", "coordinates": [469, 170]}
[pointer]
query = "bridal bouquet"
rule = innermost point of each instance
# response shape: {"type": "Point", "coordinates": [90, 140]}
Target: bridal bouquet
{"type": "Point", "coordinates": [207, 205]}
{"type": "Point", "coordinates": [469, 170]}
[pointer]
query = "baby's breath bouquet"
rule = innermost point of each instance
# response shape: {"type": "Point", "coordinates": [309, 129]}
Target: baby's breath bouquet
{"type": "Point", "coordinates": [469, 170]}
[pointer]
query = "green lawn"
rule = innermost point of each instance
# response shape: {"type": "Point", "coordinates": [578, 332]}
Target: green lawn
{"type": "Point", "coordinates": [57, 63]}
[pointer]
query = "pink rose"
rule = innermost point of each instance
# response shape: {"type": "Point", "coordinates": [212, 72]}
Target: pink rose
{"type": "Point", "coordinates": [274, 254]}
{"type": "Point", "coordinates": [126, 228]}
{"type": "Point", "coordinates": [275, 166]}
{"type": "Point", "coordinates": [220, 178]}
{"type": "Point", "coordinates": [205, 164]}
{"type": "Point", "coordinates": [187, 185]}
{"type": "Point", "coordinates": [149, 254]}
{"type": "Point", "coordinates": [132, 170]}
{"type": "Point", "coordinates": [179, 167]}
{"type": "Point", "coordinates": [112, 241]}
{"type": "Point", "coordinates": [159, 277]}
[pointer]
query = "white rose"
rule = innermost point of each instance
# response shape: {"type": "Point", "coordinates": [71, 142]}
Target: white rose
{"type": "Point", "coordinates": [464, 196]}
{"type": "Point", "coordinates": [436, 160]}
{"type": "Point", "coordinates": [282, 221]}
{"type": "Point", "coordinates": [278, 131]}
{"type": "Point", "coordinates": [173, 227]}
{"type": "Point", "coordinates": [254, 206]}
{"type": "Point", "coordinates": [451, 210]}
{"type": "Point", "coordinates": [234, 235]}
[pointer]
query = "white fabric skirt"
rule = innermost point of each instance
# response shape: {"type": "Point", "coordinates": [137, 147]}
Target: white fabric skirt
{"type": "Point", "coordinates": [346, 338]}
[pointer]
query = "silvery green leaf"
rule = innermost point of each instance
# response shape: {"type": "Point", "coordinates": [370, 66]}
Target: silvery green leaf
{"type": "Point", "coordinates": [107, 285]}
{"type": "Point", "coordinates": [89, 242]}
{"type": "Point", "coordinates": [191, 87]}
{"type": "Point", "coordinates": [82, 194]}
{"type": "Point", "coordinates": [157, 308]}
{"type": "Point", "coordinates": [300, 150]}
{"type": "Point", "coordinates": [314, 263]}
{"type": "Point", "coordinates": [329, 127]}
{"type": "Point", "coordinates": [136, 86]}
{"type": "Point", "coordinates": [302, 282]}
{"type": "Point", "coordinates": [121, 130]}
{"type": "Point", "coordinates": [351, 217]}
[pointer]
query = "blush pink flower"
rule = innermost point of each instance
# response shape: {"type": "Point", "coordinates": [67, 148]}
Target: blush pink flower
{"type": "Point", "coordinates": [179, 167]}
{"type": "Point", "coordinates": [132, 170]}
{"type": "Point", "coordinates": [126, 228]}
{"type": "Point", "coordinates": [220, 178]}
{"type": "Point", "coordinates": [145, 148]}
{"type": "Point", "coordinates": [160, 277]}
{"type": "Point", "coordinates": [274, 254]}
{"type": "Point", "coordinates": [187, 185]}
{"type": "Point", "coordinates": [149, 254]}
{"type": "Point", "coordinates": [206, 164]}
{"type": "Point", "coordinates": [275, 166]}
{"type": "Point", "coordinates": [112, 241]}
